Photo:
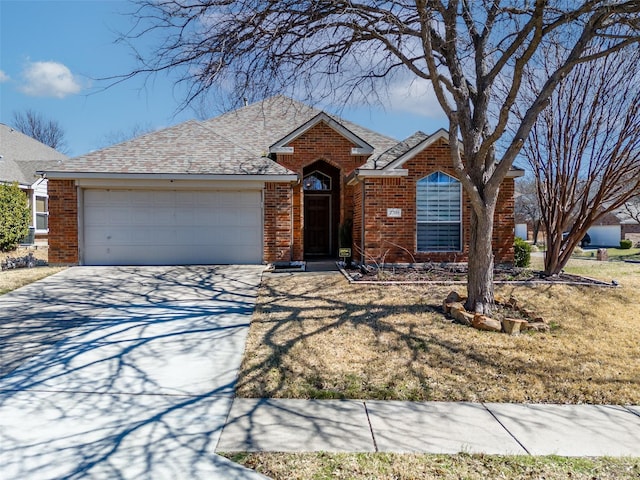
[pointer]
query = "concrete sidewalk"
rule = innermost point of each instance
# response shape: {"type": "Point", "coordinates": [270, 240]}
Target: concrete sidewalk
{"type": "Point", "coordinates": [431, 427]}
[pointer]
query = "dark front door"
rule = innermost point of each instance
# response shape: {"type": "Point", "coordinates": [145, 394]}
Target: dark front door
{"type": "Point", "coordinates": [317, 224]}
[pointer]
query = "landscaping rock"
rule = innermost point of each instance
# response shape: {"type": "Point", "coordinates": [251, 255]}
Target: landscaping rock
{"type": "Point", "coordinates": [512, 326]}
{"type": "Point", "coordinates": [454, 297]}
{"type": "Point", "coordinates": [462, 316]}
{"type": "Point", "coordinates": [449, 306]}
{"type": "Point", "coordinates": [482, 322]}
{"type": "Point", "coordinates": [537, 327]}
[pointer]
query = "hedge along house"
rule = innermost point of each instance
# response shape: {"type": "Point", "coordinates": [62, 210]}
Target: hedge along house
{"type": "Point", "coordinates": [269, 182]}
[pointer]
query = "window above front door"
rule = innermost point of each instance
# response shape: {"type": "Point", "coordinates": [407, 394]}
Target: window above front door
{"type": "Point", "coordinates": [317, 181]}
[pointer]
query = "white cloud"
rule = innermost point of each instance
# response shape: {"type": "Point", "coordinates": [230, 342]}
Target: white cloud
{"type": "Point", "coordinates": [414, 96]}
{"type": "Point", "coordinates": [3, 77]}
{"type": "Point", "coordinates": [49, 79]}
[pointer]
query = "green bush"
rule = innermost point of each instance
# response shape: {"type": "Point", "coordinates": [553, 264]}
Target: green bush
{"type": "Point", "coordinates": [522, 253]}
{"type": "Point", "coordinates": [14, 216]}
{"type": "Point", "coordinates": [626, 244]}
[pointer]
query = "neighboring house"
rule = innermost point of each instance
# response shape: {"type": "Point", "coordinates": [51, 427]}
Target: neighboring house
{"type": "Point", "coordinates": [270, 182]}
{"type": "Point", "coordinates": [20, 158]}
{"type": "Point", "coordinates": [613, 227]}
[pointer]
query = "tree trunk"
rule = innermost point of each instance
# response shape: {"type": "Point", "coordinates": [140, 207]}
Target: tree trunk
{"type": "Point", "coordinates": [480, 281]}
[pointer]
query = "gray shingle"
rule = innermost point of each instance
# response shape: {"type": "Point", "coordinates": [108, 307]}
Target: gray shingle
{"type": "Point", "coordinates": [22, 156]}
{"type": "Point", "coordinates": [187, 148]}
{"type": "Point", "coordinates": [396, 151]}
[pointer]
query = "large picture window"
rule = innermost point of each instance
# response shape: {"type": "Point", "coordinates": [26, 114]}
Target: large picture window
{"type": "Point", "coordinates": [439, 213]}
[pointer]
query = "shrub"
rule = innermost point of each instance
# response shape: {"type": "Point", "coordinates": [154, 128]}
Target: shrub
{"type": "Point", "coordinates": [626, 244]}
{"type": "Point", "coordinates": [522, 253]}
{"type": "Point", "coordinates": [14, 216]}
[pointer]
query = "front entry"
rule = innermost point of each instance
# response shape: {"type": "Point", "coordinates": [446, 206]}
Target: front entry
{"type": "Point", "coordinates": [317, 223]}
{"type": "Point", "coordinates": [321, 187]}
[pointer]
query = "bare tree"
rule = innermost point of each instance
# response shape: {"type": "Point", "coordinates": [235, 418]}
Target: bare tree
{"type": "Point", "coordinates": [527, 206]}
{"type": "Point", "coordinates": [585, 150]}
{"type": "Point", "coordinates": [49, 132]}
{"type": "Point", "coordinates": [632, 207]}
{"type": "Point", "coordinates": [345, 49]}
{"type": "Point", "coordinates": [119, 136]}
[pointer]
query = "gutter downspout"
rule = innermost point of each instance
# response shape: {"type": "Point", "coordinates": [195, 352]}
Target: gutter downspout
{"type": "Point", "coordinates": [362, 227]}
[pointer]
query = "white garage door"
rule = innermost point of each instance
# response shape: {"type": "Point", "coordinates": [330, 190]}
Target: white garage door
{"type": "Point", "coordinates": [149, 227]}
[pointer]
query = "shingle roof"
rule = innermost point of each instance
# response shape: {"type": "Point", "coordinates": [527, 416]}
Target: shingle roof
{"type": "Point", "coordinates": [399, 149]}
{"type": "Point", "coordinates": [274, 118]}
{"type": "Point", "coordinates": [188, 148]}
{"type": "Point", "coordinates": [236, 142]}
{"type": "Point", "coordinates": [22, 156]}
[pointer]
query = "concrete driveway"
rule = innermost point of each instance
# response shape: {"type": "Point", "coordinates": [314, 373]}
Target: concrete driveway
{"type": "Point", "coordinates": [122, 372]}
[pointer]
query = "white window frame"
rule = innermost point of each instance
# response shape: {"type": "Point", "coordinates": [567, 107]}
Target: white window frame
{"type": "Point", "coordinates": [459, 221]}
{"type": "Point", "coordinates": [36, 213]}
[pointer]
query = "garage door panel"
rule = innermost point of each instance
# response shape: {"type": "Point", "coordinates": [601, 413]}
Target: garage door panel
{"type": "Point", "coordinates": [129, 227]}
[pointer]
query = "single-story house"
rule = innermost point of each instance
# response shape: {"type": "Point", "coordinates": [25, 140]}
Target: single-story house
{"type": "Point", "coordinates": [615, 226]}
{"type": "Point", "coordinates": [20, 158]}
{"type": "Point", "coordinates": [270, 182]}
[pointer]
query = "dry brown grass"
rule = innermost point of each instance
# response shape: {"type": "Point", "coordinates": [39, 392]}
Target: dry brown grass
{"type": "Point", "coordinates": [12, 279]}
{"type": "Point", "coordinates": [381, 466]}
{"type": "Point", "coordinates": [320, 337]}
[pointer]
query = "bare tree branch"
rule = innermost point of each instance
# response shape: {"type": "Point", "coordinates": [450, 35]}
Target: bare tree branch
{"type": "Point", "coordinates": [34, 125]}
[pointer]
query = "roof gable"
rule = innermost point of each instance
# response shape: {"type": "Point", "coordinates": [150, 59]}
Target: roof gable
{"type": "Point", "coordinates": [361, 148]}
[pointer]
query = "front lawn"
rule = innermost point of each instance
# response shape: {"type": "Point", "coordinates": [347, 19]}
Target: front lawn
{"type": "Point", "coordinates": [320, 337]}
{"type": "Point", "coordinates": [19, 277]}
{"type": "Point", "coordinates": [613, 253]}
{"type": "Point", "coordinates": [388, 466]}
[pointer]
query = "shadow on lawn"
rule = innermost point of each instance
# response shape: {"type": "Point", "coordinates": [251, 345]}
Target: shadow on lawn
{"type": "Point", "coordinates": [121, 372]}
{"type": "Point", "coordinates": [413, 352]}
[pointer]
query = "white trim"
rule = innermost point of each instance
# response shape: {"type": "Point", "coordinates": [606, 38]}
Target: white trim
{"type": "Point", "coordinates": [169, 176]}
{"type": "Point", "coordinates": [515, 173]}
{"type": "Point", "coordinates": [363, 148]}
{"type": "Point", "coordinates": [283, 150]}
{"type": "Point", "coordinates": [151, 184]}
{"type": "Point", "coordinates": [399, 172]}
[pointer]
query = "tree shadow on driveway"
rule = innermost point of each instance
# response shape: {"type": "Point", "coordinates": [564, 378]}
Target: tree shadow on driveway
{"type": "Point", "coordinates": [122, 372]}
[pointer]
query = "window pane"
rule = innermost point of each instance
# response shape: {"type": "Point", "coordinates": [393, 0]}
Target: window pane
{"type": "Point", "coordinates": [41, 204]}
{"type": "Point", "coordinates": [439, 237]}
{"type": "Point", "coordinates": [317, 181]}
{"type": "Point", "coordinates": [42, 221]}
{"type": "Point", "coordinates": [439, 212]}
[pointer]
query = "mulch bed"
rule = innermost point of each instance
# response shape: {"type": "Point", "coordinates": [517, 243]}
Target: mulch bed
{"type": "Point", "coordinates": [444, 273]}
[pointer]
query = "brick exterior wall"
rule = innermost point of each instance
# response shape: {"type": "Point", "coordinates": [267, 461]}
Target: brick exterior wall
{"type": "Point", "coordinates": [277, 222]}
{"type": "Point", "coordinates": [394, 239]}
{"type": "Point", "coordinates": [387, 239]}
{"type": "Point", "coordinates": [63, 222]}
{"type": "Point", "coordinates": [320, 143]}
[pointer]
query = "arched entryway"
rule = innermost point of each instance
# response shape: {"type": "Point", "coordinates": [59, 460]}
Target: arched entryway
{"type": "Point", "coordinates": [321, 186]}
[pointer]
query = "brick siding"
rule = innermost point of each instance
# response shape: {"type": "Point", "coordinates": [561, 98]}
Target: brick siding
{"type": "Point", "coordinates": [63, 222]}
{"type": "Point", "coordinates": [320, 143]}
{"type": "Point", "coordinates": [277, 222]}
{"type": "Point", "coordinates": [392, 240]}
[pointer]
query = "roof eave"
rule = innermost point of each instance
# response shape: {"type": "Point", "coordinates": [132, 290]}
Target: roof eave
{"type": "Point", "coordinates": [288, 178]}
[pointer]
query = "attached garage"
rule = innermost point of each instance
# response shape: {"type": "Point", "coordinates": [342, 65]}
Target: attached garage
{"type": "Point", "coordinates": [171, 227]}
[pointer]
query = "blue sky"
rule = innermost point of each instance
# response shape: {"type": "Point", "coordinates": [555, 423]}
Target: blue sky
{"type": "Point", "coordinates": [52, 52]}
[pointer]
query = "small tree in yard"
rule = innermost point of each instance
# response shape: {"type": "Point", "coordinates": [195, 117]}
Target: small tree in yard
{"type": "Point", "coordinates": [473, 53]}
{"type": "Point", "coordinates": [14, 216]}
{"type": "Point", "coordinates": [585, 150]}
